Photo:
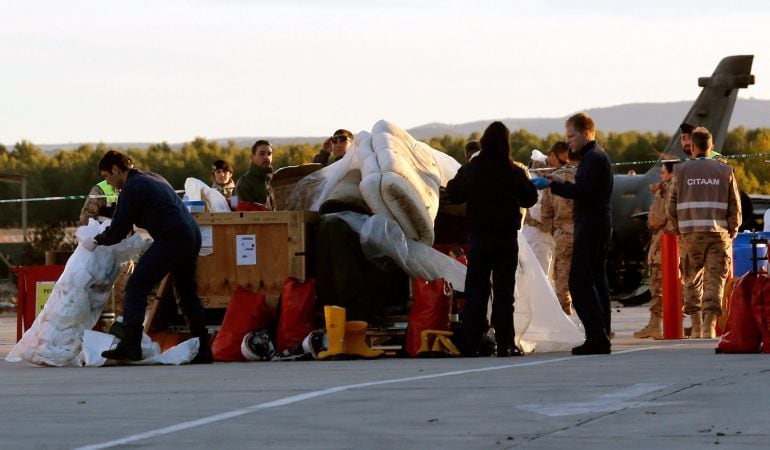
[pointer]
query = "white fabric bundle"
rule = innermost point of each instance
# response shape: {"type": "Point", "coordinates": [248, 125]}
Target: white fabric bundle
{"type": "Point", "coordinates": [197, 190]}
{"type": "Point", "coordinates": [76, 302]}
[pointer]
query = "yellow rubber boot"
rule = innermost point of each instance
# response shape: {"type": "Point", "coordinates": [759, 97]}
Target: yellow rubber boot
{"type": "Point", "coordinates": [355, 340]}
{"type": "Point", "coordinates": [335, 331]}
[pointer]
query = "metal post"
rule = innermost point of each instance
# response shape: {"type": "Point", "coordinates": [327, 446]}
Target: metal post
{"type": "Point", "coordinates": [672, 288]}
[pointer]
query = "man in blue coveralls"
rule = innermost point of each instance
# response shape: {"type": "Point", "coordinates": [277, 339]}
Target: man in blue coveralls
{"type": "Point", "coordinates": [591, 192]}
{"type": "Point", "coordinates": [148, 201]}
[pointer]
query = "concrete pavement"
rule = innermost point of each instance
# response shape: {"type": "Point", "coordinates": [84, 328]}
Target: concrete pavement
{"type": "Point", "coordinates": [647, 394]}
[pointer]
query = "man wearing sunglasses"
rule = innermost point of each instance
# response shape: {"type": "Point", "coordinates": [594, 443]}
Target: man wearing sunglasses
{"type": "Point", "coordinates": [337, 145]}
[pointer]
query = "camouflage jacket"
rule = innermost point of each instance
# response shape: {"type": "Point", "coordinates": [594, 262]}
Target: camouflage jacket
{"type": "Point", "coordinates": [557, 212]}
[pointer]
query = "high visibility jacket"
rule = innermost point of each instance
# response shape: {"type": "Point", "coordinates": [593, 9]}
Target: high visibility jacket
{"type": "Point", "coordinates": [109, 191]}
{"type": "Point", "coordinates": [704, 197]}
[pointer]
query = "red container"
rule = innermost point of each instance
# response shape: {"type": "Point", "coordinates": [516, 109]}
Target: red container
{"type": "Point", "coordinates": [28, 278]}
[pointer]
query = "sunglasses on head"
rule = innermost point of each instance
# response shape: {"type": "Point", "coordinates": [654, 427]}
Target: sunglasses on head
{"type": "Point", "coordinates": [341, 138]}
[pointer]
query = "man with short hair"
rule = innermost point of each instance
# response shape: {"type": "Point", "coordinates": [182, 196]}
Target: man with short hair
{"type": "Point", "coordinates": [704, 207]}
{"type": "Point", "coordinates": [148, 201]}
{"type": "Point", "coordinates": [685, 133]}
{"type": "Point", "coordinates": [591, 192]}
{"type": "Point", "coordinates": [253, 188]}
{"type": "Point", "coordinates": [337, 145]}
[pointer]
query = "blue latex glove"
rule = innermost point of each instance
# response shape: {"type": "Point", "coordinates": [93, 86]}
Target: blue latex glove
{"type": "Point", "coordinates": [540, 182]}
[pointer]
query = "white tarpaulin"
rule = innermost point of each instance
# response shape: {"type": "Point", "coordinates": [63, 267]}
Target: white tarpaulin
{"type": "Point", "coordinates": [76, 302]}
{"type": "Point", "coordinates": [61, 334]}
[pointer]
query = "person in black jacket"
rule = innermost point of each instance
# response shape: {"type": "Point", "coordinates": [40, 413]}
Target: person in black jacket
{"type": "Point", "coordinates": [591, 193]}
{"type": "Point", "coordinates": [148, 201]}
{"type": "Point", "coordinates": [494, 190]}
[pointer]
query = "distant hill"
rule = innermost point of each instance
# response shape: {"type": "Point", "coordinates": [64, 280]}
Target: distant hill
{"type": "Point", "coordinates": [654, 117]}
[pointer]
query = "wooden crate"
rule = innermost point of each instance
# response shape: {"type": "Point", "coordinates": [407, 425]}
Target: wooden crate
{"type": "Point", "coordinates": [283, 247]}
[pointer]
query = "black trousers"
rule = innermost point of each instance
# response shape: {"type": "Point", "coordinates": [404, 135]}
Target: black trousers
{"type": "Point", "coordinates": [494, 254]}
{"type": "Point", "coordinates": [176, 256]}
{"type": "Point", "coordinates": [588, 283]}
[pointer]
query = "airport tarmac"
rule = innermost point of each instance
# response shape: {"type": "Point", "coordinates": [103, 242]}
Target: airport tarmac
{"type": "Point", "coordinates": [647, 394]}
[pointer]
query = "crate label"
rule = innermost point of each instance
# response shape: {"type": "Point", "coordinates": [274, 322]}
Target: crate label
{"type": "Point", "coordinates": [207, 236]}
{"type": "Point", "coordinates": [246, 249]}
{"type": "Point", "coordinates": [43, 290]}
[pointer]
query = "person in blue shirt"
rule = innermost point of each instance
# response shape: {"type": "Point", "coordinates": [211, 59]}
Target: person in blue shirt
{"type": "Point", "coordinates": [148, 201]}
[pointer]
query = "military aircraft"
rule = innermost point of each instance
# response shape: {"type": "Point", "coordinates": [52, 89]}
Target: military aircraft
{"type": "Point", "coordinates": [631, 196]}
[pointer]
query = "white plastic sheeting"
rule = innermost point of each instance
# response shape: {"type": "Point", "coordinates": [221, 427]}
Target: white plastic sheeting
{"type": "Point", "coordinates": [95, 342]}
{"type": "Point", "coordinates": [197, 190]}
{"type": "Point", "coordinates": [76, 302]}
{"type": "Point", "coordinates": [540, 323]}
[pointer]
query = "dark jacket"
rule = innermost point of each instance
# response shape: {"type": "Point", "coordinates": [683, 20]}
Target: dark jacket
{"type": "Point", "coordinates": [148, 201]}
{"type": "Point", "coordinates": [493, 192]}
{"type": "Point", "coordinates": [592, 189]}
{"type": "Point", "coordinates": [254, 186]}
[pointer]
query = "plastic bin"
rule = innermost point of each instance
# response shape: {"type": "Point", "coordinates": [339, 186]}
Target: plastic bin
{"type": "Point", "coordinates": [742, 253]}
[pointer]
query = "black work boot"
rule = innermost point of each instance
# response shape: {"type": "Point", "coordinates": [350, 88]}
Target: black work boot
{"type": "Point", "coordinates": [130, 347]}
{"type": "Point", "coordinates": [197, 325]}
{"type": "Point", "coordinates": [597, 346]}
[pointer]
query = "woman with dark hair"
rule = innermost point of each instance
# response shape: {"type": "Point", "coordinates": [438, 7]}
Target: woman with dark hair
{"type": "Point", "coordinates": [494, 190]}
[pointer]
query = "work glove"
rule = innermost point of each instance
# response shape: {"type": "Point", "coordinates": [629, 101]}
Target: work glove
{"type": "Point", "coordinates": [89, 244]}
{"type": "Point", "coordinates": [540, 182]}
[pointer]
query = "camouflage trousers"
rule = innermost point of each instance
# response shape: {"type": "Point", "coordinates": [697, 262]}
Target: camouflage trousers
{"type": "Point", "coordinates": [562, 258]}
{"type": "Point", "coordinates": [705, 261]}
{"type": "Point", "coordinates": [656, 290]}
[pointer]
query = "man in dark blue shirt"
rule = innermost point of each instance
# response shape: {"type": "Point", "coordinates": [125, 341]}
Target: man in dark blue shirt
{"type": "Point", "coordinates": [591, 193]}
{"type": "Point", "coordinates": [148, 201]}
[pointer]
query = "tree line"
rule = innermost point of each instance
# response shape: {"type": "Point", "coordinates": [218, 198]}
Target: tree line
{"type": "Point", "coordinates": [74, 172]}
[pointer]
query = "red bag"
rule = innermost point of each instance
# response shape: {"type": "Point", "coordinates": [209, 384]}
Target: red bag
{"type": "Point", "coordinates": [250, 206]}
{"type": "Point", "coordinates": [246, 312]}
{"type": "Point", "coordinates": [760, 305]}
{"type": "Point", "coordinates": [741, 334]}
{"type": "Point", "coordinates": [430, 310]}
{"type": "Point", "coordinates": [295, 320]}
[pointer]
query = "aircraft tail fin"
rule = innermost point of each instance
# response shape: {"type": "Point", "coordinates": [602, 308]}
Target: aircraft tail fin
{"type": "Point", "coordinates": [714, 106]}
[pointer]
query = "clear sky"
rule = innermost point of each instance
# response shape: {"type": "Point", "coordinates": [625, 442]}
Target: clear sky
{"type": "Point", "coordinates": [170, 70]}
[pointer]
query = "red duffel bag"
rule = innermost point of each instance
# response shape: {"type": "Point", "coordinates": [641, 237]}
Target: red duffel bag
{"type": "Point", "coordinates": [430, 310]}
{"type": "Point", "coordinates": [760, 306]}
{"type": "Point", "coordinates": [246, 312]}
{"type": "Point", "coordinates": [741, 334]}
{"type": "Point", "coordinates": [295, 319]}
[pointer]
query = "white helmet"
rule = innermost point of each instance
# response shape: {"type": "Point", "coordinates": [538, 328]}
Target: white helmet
{"type": "Point", "coordinates": [257, 346]}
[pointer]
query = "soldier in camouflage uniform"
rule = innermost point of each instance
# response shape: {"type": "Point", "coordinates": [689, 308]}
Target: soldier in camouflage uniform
{"type": "Point", "coordinates": [658, 222]}
{"type": "Point", "coordinates": [556, 214]}
{"type": "Point", "coordinates": [100, 203]}
{"type": "Point", "coordinates": [705, 207]}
